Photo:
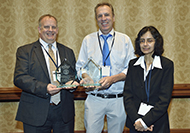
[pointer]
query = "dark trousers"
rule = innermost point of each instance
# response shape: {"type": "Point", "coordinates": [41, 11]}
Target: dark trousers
{"type": "Point", "coordinates": [135, 131]}
{"type": "Point", "coordinates": [54, 122]}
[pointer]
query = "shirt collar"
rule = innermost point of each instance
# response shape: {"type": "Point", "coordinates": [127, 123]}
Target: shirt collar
{"type": "Point", "coordinates": [156, 62]}
{"type": "Point", "coordinates": [45, 44]}
{"type": "Point", "coordinates": [111, 32]}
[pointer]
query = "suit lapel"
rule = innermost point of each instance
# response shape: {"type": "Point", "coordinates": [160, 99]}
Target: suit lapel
{"type": "Point", "coordinates": [140, 75]}
{"type": "Point", "coordinates": [40, 56]}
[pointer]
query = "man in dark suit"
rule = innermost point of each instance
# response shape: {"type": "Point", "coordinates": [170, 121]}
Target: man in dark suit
{"type": "Point", "coordinates": [33, 75]}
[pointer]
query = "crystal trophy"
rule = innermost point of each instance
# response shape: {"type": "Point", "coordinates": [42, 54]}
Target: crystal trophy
{"type": "Point", "coordinates": [94, 74]}
{"type": "Point", "coordinates": [64, 73]}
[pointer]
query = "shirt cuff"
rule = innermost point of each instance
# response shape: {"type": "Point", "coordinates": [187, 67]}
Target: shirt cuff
{"type": "Point", "coordinates": [125, 71]}
{"type": "Point", "coordinates": [142, 122]}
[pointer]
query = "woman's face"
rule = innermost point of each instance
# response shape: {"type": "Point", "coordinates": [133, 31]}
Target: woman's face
{"type": "Point", "coordinates": [147, 43]}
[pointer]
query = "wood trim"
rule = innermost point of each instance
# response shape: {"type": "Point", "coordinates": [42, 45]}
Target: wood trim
{"type": "Point", "coordinates": [10, 93]}
{"type": "Point", "coordinates": [181, 90]}
{"type": "Point", "coordinates": [13, 93]}
{"type": "Point", "coordinates": [127, 131]}
{"type": "Point", "coordinates": [179, 130]}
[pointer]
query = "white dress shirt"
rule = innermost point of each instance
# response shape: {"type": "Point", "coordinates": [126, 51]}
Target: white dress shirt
{"type": "Point", "coordinates": [55, 51]}
{"type": "Point", "coordinates": [120, 55]}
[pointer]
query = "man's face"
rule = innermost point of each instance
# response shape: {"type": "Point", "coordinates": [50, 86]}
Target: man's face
{"type": "Point", "coordinates": [48, 30]}
{"type": "Point", "coordinates": [105, 19]}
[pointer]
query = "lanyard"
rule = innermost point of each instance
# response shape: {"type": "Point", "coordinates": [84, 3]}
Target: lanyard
{"type": "Point", "coordinates": [101, 47]}
{"type": "Point", "coordinates": [56, 65]}
{"type": "Point", "coordinates": [147, 87]}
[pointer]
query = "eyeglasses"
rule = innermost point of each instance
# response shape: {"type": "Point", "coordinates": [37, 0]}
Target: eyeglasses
{"type": "Point", "coordinates": [149, 40]}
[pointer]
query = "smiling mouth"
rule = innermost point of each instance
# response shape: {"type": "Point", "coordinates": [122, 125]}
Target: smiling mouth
{"type": "Point", "coordinates": [104, 24]}
{"type": "Point", "coordinates": [146, 49]}
{"type": "Point", "coordinates": [50, 34]}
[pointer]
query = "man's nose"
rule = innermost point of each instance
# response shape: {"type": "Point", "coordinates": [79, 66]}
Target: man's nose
{"type": "Point", "coordinates": [103, 17]}
{"type": "Point", "coordinates": [50, 28]}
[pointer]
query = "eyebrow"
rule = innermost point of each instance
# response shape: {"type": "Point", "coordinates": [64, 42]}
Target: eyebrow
{"type": "Point", "coordinates": [147, 38]}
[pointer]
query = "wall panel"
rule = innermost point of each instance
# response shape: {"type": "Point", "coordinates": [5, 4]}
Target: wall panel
{"type": "Point", "coordinates": [19, 22]}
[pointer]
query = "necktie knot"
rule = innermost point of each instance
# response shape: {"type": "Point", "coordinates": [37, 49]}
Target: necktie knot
{"type": "Point", "coordinates": [106, 37]}
{"type": "Point", "coordinates": [50, 51]}
{"type": "Point", "coordinates": [50, 46]}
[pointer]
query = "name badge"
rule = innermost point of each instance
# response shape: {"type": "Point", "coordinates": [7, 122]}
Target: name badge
{"type": "Point", "coordinates": [105, 71]}
{"type": "Point", "coordinates": [144, 109]}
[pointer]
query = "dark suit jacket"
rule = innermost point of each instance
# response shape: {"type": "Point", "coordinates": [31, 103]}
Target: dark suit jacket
{"type": "Point", "coordinates": [31, 75]}
{"type": "Point", "coordinates": [161, 86]}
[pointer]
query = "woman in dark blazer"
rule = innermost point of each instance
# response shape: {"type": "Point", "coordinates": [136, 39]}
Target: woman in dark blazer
{"type": "Point", "coordinates": [149, 84]}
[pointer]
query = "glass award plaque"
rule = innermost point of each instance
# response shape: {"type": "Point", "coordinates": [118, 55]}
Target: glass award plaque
{"type": "Point", "coordinates": [94, 74]}
{"type": "Point", "coordinates": [64, 73]}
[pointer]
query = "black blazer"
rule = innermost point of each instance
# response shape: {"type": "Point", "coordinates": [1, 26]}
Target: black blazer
{"type": "Point", "coordinates": [31, 75]}
{"type": "Point", "coordinates": [161, 86]}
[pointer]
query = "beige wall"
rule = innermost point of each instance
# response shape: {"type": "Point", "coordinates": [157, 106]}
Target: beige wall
{"type": "Point", "coordinates": [18, 26]}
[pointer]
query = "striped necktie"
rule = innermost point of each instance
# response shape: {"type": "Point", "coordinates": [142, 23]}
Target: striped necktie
{"type": "Point", "coordinates": [54, 98]}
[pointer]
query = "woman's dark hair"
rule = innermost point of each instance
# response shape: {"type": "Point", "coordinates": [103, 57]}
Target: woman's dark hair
{"type": "Point", "coordinates": [159, 42]}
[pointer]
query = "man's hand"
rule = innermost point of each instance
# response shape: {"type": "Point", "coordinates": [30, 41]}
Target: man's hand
{"type": "Point", "coordinates": [75, 83]}
{"type": "Point", "coordinates": [52, 89]}
{"type": "Point", "coordinates": [106, 82]}
{"type": "Point", "coordinates": [86, 79]}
